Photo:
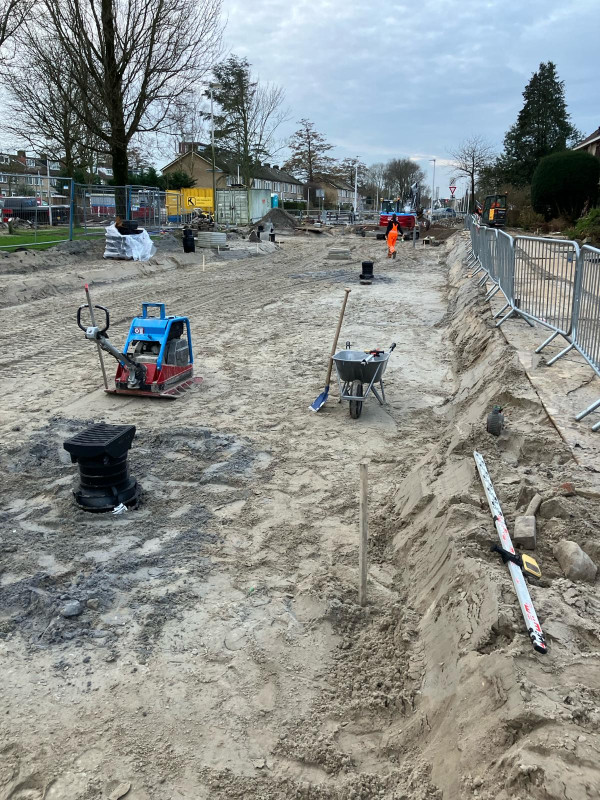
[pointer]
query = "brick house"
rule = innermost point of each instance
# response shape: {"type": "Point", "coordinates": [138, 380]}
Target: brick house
{"type": "Point", "coordinates": [21, 173]}
{"type": "Point", "coordinates": [195, 159]}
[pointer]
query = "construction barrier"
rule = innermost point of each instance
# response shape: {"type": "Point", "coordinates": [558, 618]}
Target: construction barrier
{"type": "Point", "coordinates": [553, 282]}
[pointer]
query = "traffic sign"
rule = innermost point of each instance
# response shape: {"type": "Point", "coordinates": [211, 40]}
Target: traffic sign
{"type": "Point", "coordinates": [452, 190]}
{"type": "Point", "coordinates": [191, 201]}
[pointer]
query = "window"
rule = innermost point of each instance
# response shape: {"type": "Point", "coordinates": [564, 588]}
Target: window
{"type": "Point", "coordinates": [30, 162]}
{"type": "Point", "coordinates": [4, 159]}
{"type": "Point", "coordinates": [258, 183]}
{"type": "Point", "coordinates": [54, 164]}
{"type": "Point", "coordinates": [106, 170]}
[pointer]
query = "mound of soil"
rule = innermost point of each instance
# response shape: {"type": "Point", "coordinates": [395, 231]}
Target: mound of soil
{"type": "Point", "coordinates": [280, 219]}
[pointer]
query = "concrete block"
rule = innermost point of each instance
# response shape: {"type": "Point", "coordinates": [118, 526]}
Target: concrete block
{"type": "Point", "coordinates": [525, 532]}
{"type": "Point", "coordinates": [339, 253]}
{"type": "Point", "coordinates": [576, 564]}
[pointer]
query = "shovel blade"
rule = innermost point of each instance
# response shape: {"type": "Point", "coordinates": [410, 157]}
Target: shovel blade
{"type": "Point", "coordinates": [321, 400]}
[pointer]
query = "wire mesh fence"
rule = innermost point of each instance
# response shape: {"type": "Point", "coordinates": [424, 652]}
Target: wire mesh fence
{"type": "Point", "coordinates": [35, 210]}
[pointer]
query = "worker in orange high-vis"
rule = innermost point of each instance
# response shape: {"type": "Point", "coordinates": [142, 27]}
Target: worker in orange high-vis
{"type": "Point", "coordinates": [391, 234]}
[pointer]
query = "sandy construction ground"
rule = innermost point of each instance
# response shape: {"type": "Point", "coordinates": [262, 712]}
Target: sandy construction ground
{"type": "Point", "coordinates": [221, 652]}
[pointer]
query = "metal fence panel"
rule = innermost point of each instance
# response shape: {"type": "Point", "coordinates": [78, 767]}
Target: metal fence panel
{"type": "Point", "coordinates": [587, 315]}
{"type": "Point", "coordinates": [505, 255]}
{"type": "Point", "coordinates": [35, 210]}
{"type": "Point", "coordinates": [95, 207]}
{"type": "Point", "coordinates": [544, 281]}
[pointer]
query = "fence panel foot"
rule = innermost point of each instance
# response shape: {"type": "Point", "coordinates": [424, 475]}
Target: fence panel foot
{"type": "Point", "coordinates": [562, 353]}
{"type": "Point", "coordinates": [507, 316]}
{"type": "Point", "coordinates": [547, 342]}
{"type": "Point", "coordinates": [587, 411]}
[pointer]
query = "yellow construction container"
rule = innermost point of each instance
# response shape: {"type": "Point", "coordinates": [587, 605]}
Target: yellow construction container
{"type": "Point", "coordinates": [186, 201]}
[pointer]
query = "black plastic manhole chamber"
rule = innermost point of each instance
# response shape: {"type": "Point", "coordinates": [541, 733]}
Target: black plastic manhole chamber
{"type": "Point", "coordinates": [366, 276]}
{"type": "Point", "coordinates": [101, 452]}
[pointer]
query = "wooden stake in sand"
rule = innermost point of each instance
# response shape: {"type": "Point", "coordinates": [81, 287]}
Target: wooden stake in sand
{"type": "Point", "coordinates": [202, 262]}
{"type": "Point", "coordinates": [93, 321]}
{"type": "Point", "coordinates": [363, 534]}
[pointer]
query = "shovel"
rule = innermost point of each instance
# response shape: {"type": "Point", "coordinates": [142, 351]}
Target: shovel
{"type": "Point", "coordinates": [322, 398]}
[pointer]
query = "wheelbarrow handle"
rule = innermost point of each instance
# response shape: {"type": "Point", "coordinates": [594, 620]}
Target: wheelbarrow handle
{"type": "Point", "coordinates": [393, 347]}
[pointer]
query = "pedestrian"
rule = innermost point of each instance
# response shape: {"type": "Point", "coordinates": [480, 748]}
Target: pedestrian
{"type": "Point", "coordinates": [271, 232]}
{"type": "Point", "coordinates": [392, 232]}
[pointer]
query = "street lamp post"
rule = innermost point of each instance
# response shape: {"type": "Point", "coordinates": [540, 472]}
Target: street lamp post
{"type": "Point", "coordinates": [432, 189]}
{"type": "Point", "coordinates": [356, 189]}
{"type": "Point", "coordinates": [212, 142]}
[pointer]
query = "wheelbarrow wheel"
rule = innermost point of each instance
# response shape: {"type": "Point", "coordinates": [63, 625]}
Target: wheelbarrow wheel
{"type": "Point", "coordinates": [356, 405]}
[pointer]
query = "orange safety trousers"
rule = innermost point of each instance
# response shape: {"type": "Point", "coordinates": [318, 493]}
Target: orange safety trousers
{"type": "Point", "coordinates": [392, 238]}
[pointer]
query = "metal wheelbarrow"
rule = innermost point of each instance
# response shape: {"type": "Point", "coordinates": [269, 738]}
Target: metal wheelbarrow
{"type": "Point", "coordinates": [358, 367]}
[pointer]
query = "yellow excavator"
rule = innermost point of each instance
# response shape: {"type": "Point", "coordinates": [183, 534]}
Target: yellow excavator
{"type": "Point", "coordinates": [493, 211]}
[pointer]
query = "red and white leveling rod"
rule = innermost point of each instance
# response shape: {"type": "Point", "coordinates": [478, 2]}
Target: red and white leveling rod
{"type": "Point", "coordinates": [531, 621]}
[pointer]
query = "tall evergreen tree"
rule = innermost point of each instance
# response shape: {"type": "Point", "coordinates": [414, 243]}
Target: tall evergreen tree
{"type": "Point", "coordinates": [542, 127]}
{"type": "Point", "coordinates": [309, 148]}
{"type": "Point", "coordinates": [249, 115]}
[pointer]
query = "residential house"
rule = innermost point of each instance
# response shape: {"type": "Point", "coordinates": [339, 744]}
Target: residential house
{"type": "Point", "coordinates": [591, 143]}
{"type": "Point", "coordinates": [195, 159]}
{"type": "Point", "coordinates": [279, 182]}
{"type": "Point", "coordinates": [338, 193]}
{"type": "Point", "coordinates": [21, 173]}
{"type": "Point", "coordinates": [196, 163]}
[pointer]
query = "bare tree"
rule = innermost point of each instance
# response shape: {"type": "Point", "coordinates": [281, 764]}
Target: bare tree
{"type": "Point", "coordinates": [400, 174]}
{"type": "Point", "coordinates": [13, 14]}
{"type": "Point", "coordinates": [375, 181]}
{"type": "Point", "coordinates": [346, 168]}
{"type": "Point", "coordinates": [249, 115]}
{"type": "Point", "coordinates": [470, 158]}
{"type": "Point", "coordinates": [42, 112]}
{"type": "Point", "coordinates": [131, 59]}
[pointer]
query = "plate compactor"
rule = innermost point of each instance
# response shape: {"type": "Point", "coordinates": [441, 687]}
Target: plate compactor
{"type": "Point", "coordinates": [157, 358]}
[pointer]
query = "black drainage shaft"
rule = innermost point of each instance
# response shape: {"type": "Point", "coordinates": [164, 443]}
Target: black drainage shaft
{"type": "Point", "coordinates": [189, 245]}
{"type": "Point", "coordinates": [367, 271]}
{"type": "Point", "coordinates": [101, 452]}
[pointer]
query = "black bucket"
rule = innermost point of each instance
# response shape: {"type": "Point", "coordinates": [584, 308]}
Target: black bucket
{"type": "Point", "coordinates": [189, 245]}
{"type": "Point", "coordinates": [101, 452]}
{"type": "Point", "coordinates": [367, 271]}
{"type": "Point", "coordinates": [129, 227]}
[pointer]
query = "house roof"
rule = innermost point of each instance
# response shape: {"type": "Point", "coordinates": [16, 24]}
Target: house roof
{"type": "Point", "coordinates": [271, 174]}
{"type": "Point", "coordinates": [337, 183]}
{"type": "Point", "coordinates": [227, 163]}
{"type": "Point", "coordinates": [196, 154]}
{"type": "Point", "coordinates": [593, 137]}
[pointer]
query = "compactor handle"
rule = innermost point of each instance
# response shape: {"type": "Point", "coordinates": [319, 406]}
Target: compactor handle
{"type": "Point", "coordinates": [160, 306]}
{"type": "Point", "coordinates": [100, 308]}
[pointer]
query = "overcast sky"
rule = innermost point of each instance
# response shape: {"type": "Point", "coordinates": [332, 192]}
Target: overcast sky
{"type": "Point", "coordinates": [383, 80]}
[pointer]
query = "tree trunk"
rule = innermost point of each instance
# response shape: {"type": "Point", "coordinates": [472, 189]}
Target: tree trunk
{"type": "Point", "coordinates": [120, 167]}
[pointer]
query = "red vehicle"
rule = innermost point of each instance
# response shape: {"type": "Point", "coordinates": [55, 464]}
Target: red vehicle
{"type": "Point", "coordinates": [406, 218]}
{"type": "Point", "coordinates": [31, 210]}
